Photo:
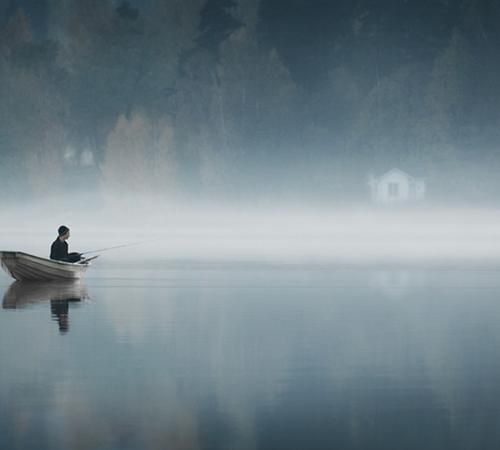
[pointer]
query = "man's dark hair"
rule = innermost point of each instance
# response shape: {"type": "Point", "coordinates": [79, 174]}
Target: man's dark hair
{"type": "Point", "coordinates": [62, 230]}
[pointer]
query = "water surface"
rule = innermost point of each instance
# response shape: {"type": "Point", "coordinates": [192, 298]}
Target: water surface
{"type": "Point", "coordinates": [228, 356]}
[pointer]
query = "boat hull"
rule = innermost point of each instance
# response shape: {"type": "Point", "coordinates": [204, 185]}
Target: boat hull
{"type": "Point", "coordinates": [25, 267]}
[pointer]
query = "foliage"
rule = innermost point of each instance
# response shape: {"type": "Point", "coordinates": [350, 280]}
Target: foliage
{"type": "Point", "coordinates": [232, 96]}
{"type": "Point", "coordinates": [125, 169]}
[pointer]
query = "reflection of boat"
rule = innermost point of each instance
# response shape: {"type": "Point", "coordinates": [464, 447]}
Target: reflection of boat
{"type": "Point", "coordinates": [23, 266]}
{"type": "Point", "coordinates": [21, 293]}
{"type": "Point", "coordinates": [60, 294]}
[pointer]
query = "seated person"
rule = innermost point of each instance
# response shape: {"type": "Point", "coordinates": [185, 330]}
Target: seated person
{"type": "Point", "coordinates": [59, 248]}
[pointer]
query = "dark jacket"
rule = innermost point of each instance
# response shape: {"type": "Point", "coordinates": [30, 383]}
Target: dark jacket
{"type": "Point", "coordinates": [59, 250]}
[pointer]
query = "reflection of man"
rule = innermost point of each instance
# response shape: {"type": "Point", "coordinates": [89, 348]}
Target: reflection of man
{"type": "Point", "coordinates": [59, 310]}
{"type": "Point", "coordinates": [59, 248]}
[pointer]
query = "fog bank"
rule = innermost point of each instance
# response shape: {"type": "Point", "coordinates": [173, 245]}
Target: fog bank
{"type": "Point", "coordinates": [276, 235]}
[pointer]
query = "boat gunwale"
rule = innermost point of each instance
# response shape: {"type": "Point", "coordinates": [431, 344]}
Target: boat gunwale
{"type": "Point", "coordinates": [66, 264]}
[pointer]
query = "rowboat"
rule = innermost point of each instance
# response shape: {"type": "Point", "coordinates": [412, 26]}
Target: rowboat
{"type": "Point", "coordinates": [25, 267]}
{"type": "Point", "coordinates": [21, 293]}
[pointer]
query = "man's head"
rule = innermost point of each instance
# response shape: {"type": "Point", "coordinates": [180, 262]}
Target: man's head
{"type": "Point", "coordinates": [63, 232]}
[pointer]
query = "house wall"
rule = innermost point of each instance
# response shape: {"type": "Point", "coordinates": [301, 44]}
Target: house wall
{"type": "Point", "coordinates": [382, 188]}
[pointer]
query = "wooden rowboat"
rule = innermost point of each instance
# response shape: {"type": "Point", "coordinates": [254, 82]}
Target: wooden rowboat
{"type": "Point", "coordinates": [25, 267]}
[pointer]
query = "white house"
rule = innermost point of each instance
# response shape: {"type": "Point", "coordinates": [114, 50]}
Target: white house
{"type": "Point", "coordinates": [396, 187]}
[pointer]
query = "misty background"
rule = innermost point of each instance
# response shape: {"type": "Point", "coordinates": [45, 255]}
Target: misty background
{"type": "Point", "coordinates": [264, 299]}
{"type": "Point", "coordinates": [248, 101]}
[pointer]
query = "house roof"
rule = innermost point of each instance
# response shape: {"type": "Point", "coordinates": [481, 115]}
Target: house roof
{"type": "Point", "coordinates": [400, 172]}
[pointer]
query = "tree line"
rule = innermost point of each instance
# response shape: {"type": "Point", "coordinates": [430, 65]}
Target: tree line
{"type": "Point", "coordinates": [238, 97]}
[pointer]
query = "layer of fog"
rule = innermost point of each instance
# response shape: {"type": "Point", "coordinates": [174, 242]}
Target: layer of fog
{"type": "Point", "coordinates": [272, 234]}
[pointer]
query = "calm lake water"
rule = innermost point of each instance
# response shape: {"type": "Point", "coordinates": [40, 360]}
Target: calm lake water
{"type": "Point", "coordinates": [229, 356]}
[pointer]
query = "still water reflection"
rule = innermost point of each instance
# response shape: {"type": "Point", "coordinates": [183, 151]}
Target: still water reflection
{"type": "Point", "coordinates": [252, 358]}
{"type": "Point", "coordinates": [60, 294]}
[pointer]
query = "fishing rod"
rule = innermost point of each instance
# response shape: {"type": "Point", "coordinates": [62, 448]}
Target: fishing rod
{"type": "Point", "coordinates": [111, 248]}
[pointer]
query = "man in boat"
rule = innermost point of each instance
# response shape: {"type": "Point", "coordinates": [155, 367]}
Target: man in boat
{"type": "Point", "coordinates": [59, 248]}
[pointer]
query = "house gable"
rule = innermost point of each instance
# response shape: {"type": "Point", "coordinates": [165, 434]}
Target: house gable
{"type": "Point", "coordinates": [395, 172]}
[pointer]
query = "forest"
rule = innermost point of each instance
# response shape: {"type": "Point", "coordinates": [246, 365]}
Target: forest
{"type": "Point", "coordinates": [293, 100]}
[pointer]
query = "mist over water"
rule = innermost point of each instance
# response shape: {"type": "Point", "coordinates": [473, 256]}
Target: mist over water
{"type": "Point", "coordinates": [254, 327]}
{"type": "Point", "coordinates": [280, 234]}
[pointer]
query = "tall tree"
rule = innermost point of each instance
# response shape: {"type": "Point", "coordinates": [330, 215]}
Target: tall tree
{"type": "Point", "coordinates": [217, 23]}
{"type": "Point", "coordinates": [139, 157]}
{"type": "Point", "coordinates": [123, 58]}
{"type": "Point", "coordinates": [32, 111]}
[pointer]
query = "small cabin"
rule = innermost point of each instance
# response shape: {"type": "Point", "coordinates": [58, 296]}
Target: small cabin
{"type": "Point", "coordinates": [396, 187]}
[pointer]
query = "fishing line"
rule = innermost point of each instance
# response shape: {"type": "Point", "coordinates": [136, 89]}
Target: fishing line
{"type": "Point", "coordinates": [113, 248]}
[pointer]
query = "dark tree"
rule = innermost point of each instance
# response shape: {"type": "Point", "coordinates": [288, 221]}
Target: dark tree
{"type": "Point", "coordinates": [125, 11]}
{"type": "Point", "coordinates": [216, 24]}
